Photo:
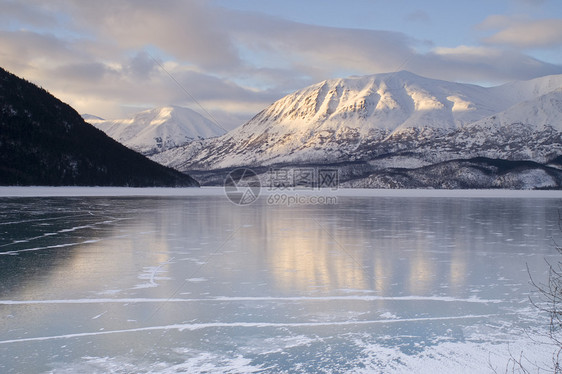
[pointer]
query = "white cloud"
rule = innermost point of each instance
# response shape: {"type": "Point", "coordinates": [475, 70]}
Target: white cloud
{"type": "Point", "coordinates": [15, 12]}
{"type": "Point", "coordinates": [482, 63]}
{"type": "Point", "coordinates": [185, 29]}
{"type": "Point", "coordinates": [523, 33]}
{"type": "Point", "coordinates": [100, 56]}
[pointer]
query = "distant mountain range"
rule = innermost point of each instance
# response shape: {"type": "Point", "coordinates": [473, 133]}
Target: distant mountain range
{"type": "Point", "coordinates": [43, 141]}
{"type": "Point", "coordinates": [159, 129]}
{"type": "Point", "coordinates": [390, 130]}
{"type": "Point", "coordinates": [395, 130]}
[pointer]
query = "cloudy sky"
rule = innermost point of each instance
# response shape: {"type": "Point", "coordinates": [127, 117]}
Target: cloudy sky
{"type": "Point", "coordinates": [232, 58]}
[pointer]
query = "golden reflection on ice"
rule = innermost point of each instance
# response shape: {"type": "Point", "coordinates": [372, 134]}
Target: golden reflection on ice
{"type": "Point", "coordinates": [383, 272]}
{"type": "Point", "coordinates": [422, 273]}
{"type": "Point", "coordinates": [458, 269]}
{"type": "Point", "coordinates": [304, 255]}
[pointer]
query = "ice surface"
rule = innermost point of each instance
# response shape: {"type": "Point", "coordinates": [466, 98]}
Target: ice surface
{"type": "Point", "coordinates": [385, 281]}
{"type": "Point", "coordinates": [45, 191]}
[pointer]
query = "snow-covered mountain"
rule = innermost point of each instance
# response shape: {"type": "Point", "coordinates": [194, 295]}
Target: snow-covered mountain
{"type": "Point", "coordinates": [544, 110]}
{"type": "Point", "coordinates": [158, 129]}
{"type": "Point", "coordinates": [388, 121]}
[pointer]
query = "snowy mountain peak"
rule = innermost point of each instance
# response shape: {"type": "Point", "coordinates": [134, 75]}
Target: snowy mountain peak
{"type": "Point", "coordinates": [159, 129]}
{"type": "Point", "coordinates": [163, 114]}
{"type": "Point", "coordinates": [530, 89]}
{"type": "Point", "coordinates": [540, 112]}
{"type": "Point", "coordinates": [382, 102]}
{"type": "Point", "coordinates": [366, 118]}
{"type": "Point", "coordinates": [397, 101]}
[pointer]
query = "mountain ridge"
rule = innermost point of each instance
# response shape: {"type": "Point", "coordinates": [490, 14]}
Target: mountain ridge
{"type": "Point", "coordinates": [44, 141]}
{"type": "Point", "coordinates": [301, 127]}
{"type": "Point", "coordinates": [397, 120]}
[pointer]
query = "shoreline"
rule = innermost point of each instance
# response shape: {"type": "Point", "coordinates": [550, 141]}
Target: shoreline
{"type": "Point", "coordinates": [73, 191]}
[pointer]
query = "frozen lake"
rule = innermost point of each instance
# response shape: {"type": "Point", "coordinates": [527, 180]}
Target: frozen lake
{"type": "Point", "coordinates": [373, 283]}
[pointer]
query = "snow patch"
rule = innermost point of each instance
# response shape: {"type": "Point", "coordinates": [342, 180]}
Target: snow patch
{"type": "Point", "coordinates": [159, 129]}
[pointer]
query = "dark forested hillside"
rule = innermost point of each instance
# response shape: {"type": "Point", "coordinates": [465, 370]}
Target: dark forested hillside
{"type": "Point", "coordinates": [44, 141]}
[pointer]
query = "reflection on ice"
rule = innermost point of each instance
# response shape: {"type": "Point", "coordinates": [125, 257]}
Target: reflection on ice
{"type": "Point", "coordinates": [390, 284]}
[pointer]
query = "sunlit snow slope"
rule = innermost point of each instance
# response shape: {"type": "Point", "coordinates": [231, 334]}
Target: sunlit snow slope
{"type": "Point", "coordinates": [396, 119]}
{"type": "Point", "coordinates": [158, 129]}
